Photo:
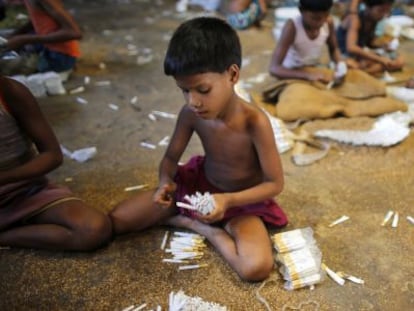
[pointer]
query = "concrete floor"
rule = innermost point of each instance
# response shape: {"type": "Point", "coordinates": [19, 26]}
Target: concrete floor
{"type": "Point", "coordinates": [361, 182]}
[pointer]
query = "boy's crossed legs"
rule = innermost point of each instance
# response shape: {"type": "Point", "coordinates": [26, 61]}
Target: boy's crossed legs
{"type": "Point", "coordinates": [243, 241]}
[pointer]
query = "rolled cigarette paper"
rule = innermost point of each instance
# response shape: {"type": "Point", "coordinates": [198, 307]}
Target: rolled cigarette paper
{"type": "Point", "coordinates": [395, 220]}
{"type": "Point", "coordinates": [355, 279]}
{"type": "Point", "coordinates": [113, 107]}
{"type": "Point", "coordinates": [410, 219]}
{"type": "Point", "coordinates": [140, 307]}
{"type": "Point", "coordinates": [185, 205]}
{"type": "Point", "coordinates": [339, 220]}
{"type": "Point", "coordinates": [152, 117]}
{"type": "Point", "coordinates": [81, 100]}
{"type": "Point", "coordinates": [129, 308]}
{"type": "Point", "coordinates": [102, 83]}
{"type": "Point", "coordinates": [164, 114]}
{"type": "Point", "coordinates": [134, 100]}
{"type": "Point", "coordinates": [137, 187]}
{"type": "Point", "coordinates": [190, 267]}
{"type": "Point", "coordinates": [333, 275]}
{"type": "Point", "coordinates": [387, 217]}
{"type": "Point", "coordinates": [76, 90]}
{"type": "Point", "coordinates": [164, 240]}
{"type": "Point", "coordinates": [170, 260]}
{"type": "Point", "coordinates": [148, 145]}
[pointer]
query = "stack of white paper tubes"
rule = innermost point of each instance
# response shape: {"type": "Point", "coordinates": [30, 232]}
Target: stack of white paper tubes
{"type": "Point", "coordinates": [299, 258]}
{"type": "Point", "coordinates": [202, 203]}
{"type": "Point", "coordinates": [181, 302]}
{"type": "Point", "coordinates": [185, 247]}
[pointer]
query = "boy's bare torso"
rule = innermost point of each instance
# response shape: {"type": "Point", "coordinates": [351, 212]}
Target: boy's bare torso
{"type": "Point", "coordinates": [231, 162]}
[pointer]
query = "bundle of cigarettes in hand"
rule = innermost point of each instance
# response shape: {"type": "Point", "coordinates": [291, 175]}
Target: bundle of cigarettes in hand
{"type": "Point", "coordinates": [185, 247]}
{"type": "Point", "coordinates": [181, 302]}
{"type": "Point", "coordinates": [298, 257]}
{"type": "Point", "coordinates": [202, 203]}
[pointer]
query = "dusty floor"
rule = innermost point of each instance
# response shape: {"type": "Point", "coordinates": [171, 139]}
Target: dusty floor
{"type": "Point", "coordinates": [362, 183]}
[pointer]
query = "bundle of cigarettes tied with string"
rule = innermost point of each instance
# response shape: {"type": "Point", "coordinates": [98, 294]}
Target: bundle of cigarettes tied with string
{"type": "Point", "coordinates": [298, 257]}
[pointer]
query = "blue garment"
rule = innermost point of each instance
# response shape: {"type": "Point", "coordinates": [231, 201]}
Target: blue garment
{"type": "Point", "coordinates": [246, 18]}
{"type": "Point", "coordinates": [55, 61]}
{"type": "Point", "coordinates": [363, 38]}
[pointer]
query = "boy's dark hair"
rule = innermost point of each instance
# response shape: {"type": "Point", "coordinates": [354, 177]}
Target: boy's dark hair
{"type": "Point", "coordinates": [315, 5]}
{"type": "Point", "coordinates": [203, 44]}
{"type": "Point", "coordinates": [377, 2]}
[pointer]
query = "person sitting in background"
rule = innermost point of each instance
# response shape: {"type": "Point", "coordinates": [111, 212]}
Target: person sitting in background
{"type": "Point", "coordinates": [356, 37]}
{"type": "Point", "coordinates": [51, 34]}
{"type": "Point", "coordinates": [242, 14]}
{"type": "Point", "coordinates": [34, 212]}
{"type": "Point", "coordinates": [302, 41]}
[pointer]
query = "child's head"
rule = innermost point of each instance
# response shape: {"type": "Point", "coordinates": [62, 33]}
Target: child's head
{"type": "Point", "coordinates": [378, 9]}
{"type": "Point", "coordinates": [316, 5]}
{"type": "Point", "coordinates": [314, 13]}
{"type": "Point", "coordinates": [200, 45]}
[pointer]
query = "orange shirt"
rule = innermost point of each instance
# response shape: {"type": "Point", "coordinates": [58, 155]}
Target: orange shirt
{"type": "Point", "coordinates": [43, 24]}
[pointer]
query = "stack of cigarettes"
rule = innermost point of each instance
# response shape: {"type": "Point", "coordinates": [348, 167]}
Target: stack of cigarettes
{"type": "Point", "coordinates": [181, 302]}
{"type": "Point", "coordinates": [185, 248]}
{"type": "Point", "coordinates": [298, 257]}
{"type": "Point", "coordinates": [202, 203]}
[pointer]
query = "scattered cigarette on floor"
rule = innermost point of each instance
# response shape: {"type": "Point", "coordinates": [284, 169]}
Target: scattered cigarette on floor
{"type": "Point", "coordinates": [113, 107]}
{"type": "Point", "coordinates": [152, 117]}
{"type": "Point", "coordinates": [395, 220]}
{"type": "Point", "coordinates": [76, 90]}
{"type": "Point", "coordinates": [129, 308]}
{"type": "Point", "coordinates": [387, 217]}
{"type": "Point", "coordinates": [86, 80]}
{"type": "Point", "coordinates": [164, 141]}
{"type": "Point", "coordinates": [339, 220]}
{"type": "Point", "coordinates": [102, 66]}
{"type": "Point", "coordinates": [169, 260]}
{"type": "Point", "coordinates": [102, 83]}
{"type": "Point", "coordinates": [68, 179]}
{"type": "Point", "coordinates": [351, 278]}
{"type": "Point", "coordinates": [333, 275]}
{"type": "Point", "coordinates": [164, 114]}
{"type": "Point", "coordinates": [164, 240]}
{"type": "Point", "coordinates": [140, 307]}
{"type": "Point", "coordinates": [410, 219]}
{"type": "Point", "coordinates": [134, 100]}
{"type": "Point", "coordinates": [81, 100]}
{"type": "Point", "coordinates": [191, 267]}
{"type": "Point", "coordinates": [148, 145]}
{"type": "Point", "coordinates": [137, 187]}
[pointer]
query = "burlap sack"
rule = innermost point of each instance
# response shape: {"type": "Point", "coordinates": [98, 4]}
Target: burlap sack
{"type": "Point", "coordinates": [301, 101]}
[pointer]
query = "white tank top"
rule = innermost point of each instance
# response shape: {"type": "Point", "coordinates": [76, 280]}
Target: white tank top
{"type": "Point", "coordinates": [305, 51]}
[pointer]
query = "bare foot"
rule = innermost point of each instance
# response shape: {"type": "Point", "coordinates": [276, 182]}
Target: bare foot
{"type": "Point", "coordinates": [180, 221]}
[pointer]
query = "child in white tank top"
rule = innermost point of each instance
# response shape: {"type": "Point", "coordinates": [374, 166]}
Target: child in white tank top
{"type": "Point", "coordinates": [303, 40]}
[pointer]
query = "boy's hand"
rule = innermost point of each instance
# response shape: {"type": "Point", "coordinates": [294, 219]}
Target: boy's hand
{"type": "Point", "coordinates": [220, 207]}
{"type": "Point", "coordinates": [164, 196]}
